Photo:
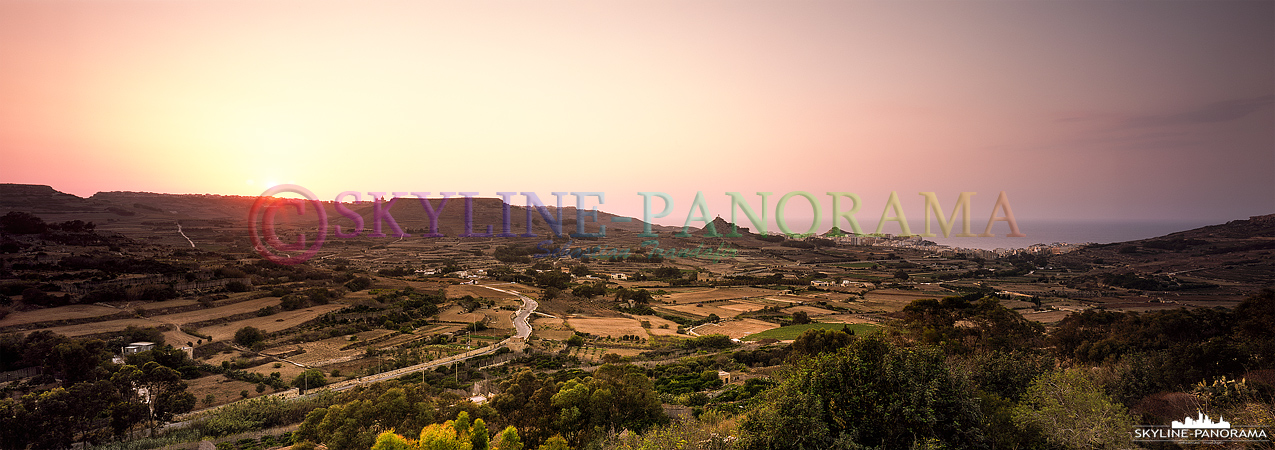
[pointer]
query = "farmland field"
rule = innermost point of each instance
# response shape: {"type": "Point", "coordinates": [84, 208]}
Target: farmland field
{"type": "Point", "coordinates": [608, 326]}
{"type": "Point", "coordinates": [714, 294]}
{"type": "Point", "coordinates": [736, 329]}
{"type": "Point", "coordinates": [722, 309]}
{"type": "Point", "coordinates": [791, 332]}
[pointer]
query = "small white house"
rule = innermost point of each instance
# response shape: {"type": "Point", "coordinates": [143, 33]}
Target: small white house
{"type": "Point", "coordinates": [138, 347]}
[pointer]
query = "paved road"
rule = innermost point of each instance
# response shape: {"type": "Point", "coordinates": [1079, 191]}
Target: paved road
{"type": "Point", "coordinates": [522, 327]}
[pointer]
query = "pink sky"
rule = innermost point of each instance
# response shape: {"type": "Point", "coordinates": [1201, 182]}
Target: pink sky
{"type": "Point", "coordinates": [1078, 110]}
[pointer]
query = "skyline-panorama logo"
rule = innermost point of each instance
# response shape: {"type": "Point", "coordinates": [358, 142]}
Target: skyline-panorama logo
{"type": "Point", "coordinates": [1200, 429]}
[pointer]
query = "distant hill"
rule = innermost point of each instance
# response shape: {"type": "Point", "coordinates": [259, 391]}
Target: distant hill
{"type": "Point", "coordinates": [1240, 251]}
{"type": "Point", "coordinates": [148, 215]}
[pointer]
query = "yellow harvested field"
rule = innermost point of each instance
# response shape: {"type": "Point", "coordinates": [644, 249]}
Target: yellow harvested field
{"type": "Point", "coordinates": [287, 372]}
{"type": "Point", "coordinates": [608, 326]}
{"type": "Point", "coordinates": [458, 314]}
{"type": "Point", "coordinates": [790, 299]}
{"type": "Point", "coordinates": [811, 310]}
{"type": "Point", "coordinates": [272, 323]}
{"type": "Point", "coordinates": [199, 315]}
{"type": "Point", "coordinates": [736, 328]}
{"type": "Point", "coordinates": [224, 390]}
{"type": "Point", "coordinates": [723, 310]}
{"type": "Point", "coordinates": [659, 326]}
{"type": "Point", "coordinates": [498, 318]}
{"type": "Point", "coordinates": [109, 326]}
{"type": "Point", "coordinates": [58, 313]}
{"type": "Point", "coordinates": [461, 290]}
{"type": "Point", "coordinates": [319, 352]}
{"type": "Point", "coordinates": [890, 300]}
{"type": "Point", "coordinates": [713, 294]}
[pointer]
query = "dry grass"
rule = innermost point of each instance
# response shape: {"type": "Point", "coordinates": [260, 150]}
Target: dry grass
{"type": "Point", "coordinates": [225, 390]}
{"type": "Point", "coordinates": [498, 318]}
{"type": "Point", "coordinates": [736, 328]}
{"type": "Point", "coordinates": [109, 326]}
{"type": "Point", "coordinates": [810, 310]}
{"type": "Point", "coordinates": [608, 326]}
{"type": "Point", "coordinates": [58, 313]}
{"type": "Point", "coordinates": [458, 314]}
{"type": "Point", "coordinates": [713, 294]}
{"type": "Point", "coordinates": [330, 348]}
{"type": "Point", "coordinates": [549, 328]}
{"type": "Point", "coordinates": [659, 326]}
{"type": "Point", "coordinates": [461, 290]}
{"type": "Point", "coordinates": [724, 310]}
{"type": "Point", "coordinates": [890, 300]}
{"type": "Point", "coordinates": [271, 323]}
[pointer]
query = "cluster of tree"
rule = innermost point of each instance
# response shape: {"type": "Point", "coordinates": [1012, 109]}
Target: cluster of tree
{"type": "Point", "coordinates": [984, 324]}
{"type": "Point", "coordinates": [113, 264]}
{"type": "Point", "coordinates": [869, 394]}
{"type": "Point", "coordinates": [580, 409]}
{"type": "Point", "coordinates": [678, 379]}
{"type": "Point", "coordinates": [638, 296]}
{"type": "Point", "coordinates": [460, 434]}
{"type": "Point", "coordinates": [470, 303]}
{"type": "Point", "coordinates": [514, 254]}
{"type": "Point", "coordinates": [358, 284]}
{"type": "Point", "coordinates": [590, 290]}
{"type": "Point", "coordinates": [395, 272]}
{"type": "Point", "coordinates": [1146, 283]}
{"type": "Point", "coordinates": [708, 342]}
{"type": "Point", "coordinates": [17, 222]}
{"type": "Point", "coordinates": [308, 298]}
{"type": "Point", "coordinates": [1173, 349]}
{"type": "Point", "coordinates": [102, 401]}
{"type": "Point", "coordinates": [356, 418]}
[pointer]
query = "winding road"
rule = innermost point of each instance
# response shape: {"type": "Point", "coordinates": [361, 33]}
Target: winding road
{"type": "Point", "coordinates": [522, 330]}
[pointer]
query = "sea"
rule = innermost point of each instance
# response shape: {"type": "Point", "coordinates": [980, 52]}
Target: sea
{"type": "Point", "coordinates": [1049, 232]}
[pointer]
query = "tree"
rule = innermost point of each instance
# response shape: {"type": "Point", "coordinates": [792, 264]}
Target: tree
{"type": "Point", "coordinates": [819, 340]}
{"type": "Point", "coordinates": [248, 336]}
{"type": "Point", "coordinates": [388, 440]}
{"type": "Point", "coordinates": [873, 394]}
{"type": "Point", "coordinates": [310, 379]}
{"type": "Point", "coordinates": [555, 443]}
{"type": "Point", "coordinates": [901, 274]}
{"type": "Point", "coordinates": [508, 439]}
{"type": "Point", "coordinates": [441, 436]}
{"type": "Point", "coordinates": [1071, 411]}
{"type": "Point", "coordinates": [526, 402]}
{"type": "Point", "coordinates": [800, 318]}
{"type": "Point", "coordinates": [478, 437]}
{"type": "Point", "coordinates": [17, 222]}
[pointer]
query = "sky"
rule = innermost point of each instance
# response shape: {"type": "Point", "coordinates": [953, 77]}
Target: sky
{"type": "Point", "coordinates": [1076, 110]}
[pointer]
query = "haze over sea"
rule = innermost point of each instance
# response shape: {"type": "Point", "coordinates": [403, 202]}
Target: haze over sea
{"type": "Point", "coordinates": [1075, 232]}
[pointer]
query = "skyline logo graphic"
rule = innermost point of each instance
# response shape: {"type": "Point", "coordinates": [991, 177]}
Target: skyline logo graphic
{"type": "Point", "coordinates": [1201, 421]}
{"type": "Point", "coordinates": [1201, 429]}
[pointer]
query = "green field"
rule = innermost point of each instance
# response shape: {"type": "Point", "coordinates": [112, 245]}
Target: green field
{"type": "Point", "coordinates": [792, 331]}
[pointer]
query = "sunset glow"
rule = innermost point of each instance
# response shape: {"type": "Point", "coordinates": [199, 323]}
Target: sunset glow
{"type": "Point", "coordinates": [1079, 110]}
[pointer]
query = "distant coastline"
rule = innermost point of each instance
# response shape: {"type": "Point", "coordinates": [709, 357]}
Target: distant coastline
{"type": "Point", "coordinates": [1074, 232]}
